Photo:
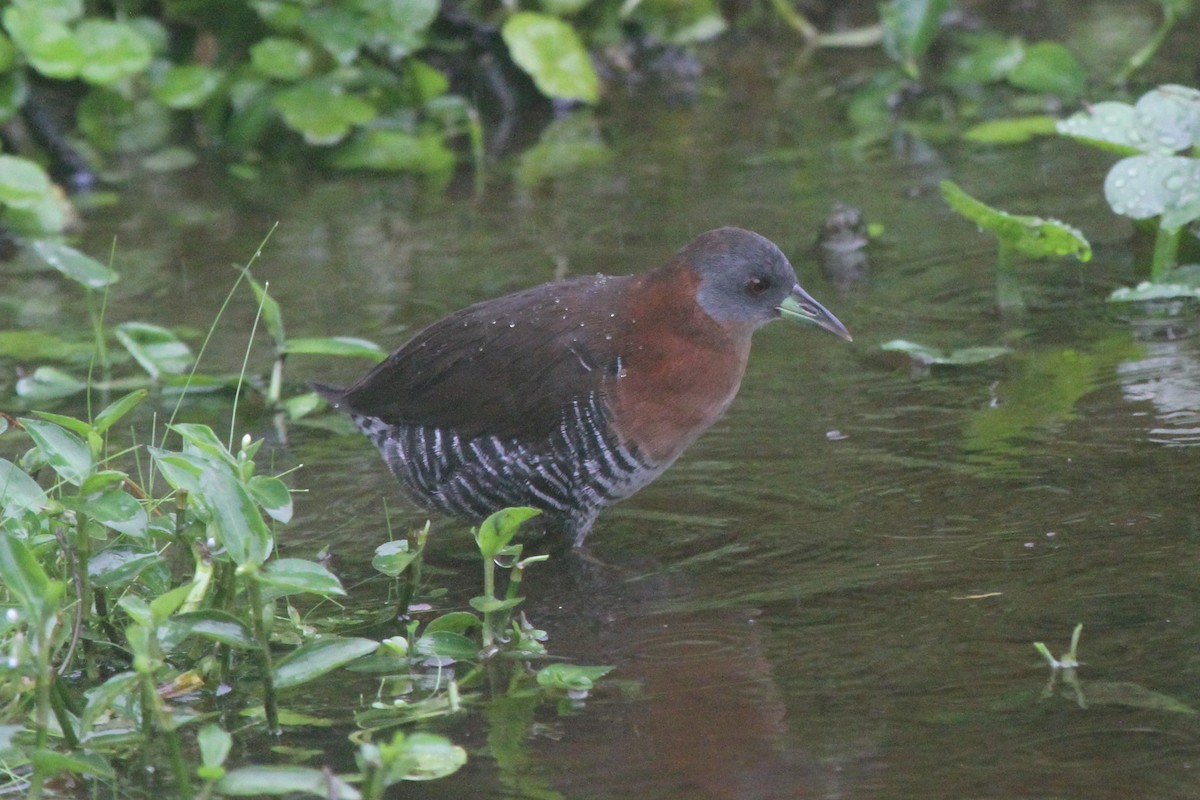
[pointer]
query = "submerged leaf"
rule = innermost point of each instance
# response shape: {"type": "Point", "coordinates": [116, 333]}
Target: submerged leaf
{"type": "Point", "coordinates": [963, 356]}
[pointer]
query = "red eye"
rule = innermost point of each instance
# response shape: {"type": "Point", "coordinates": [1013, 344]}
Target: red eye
{"type": "Point", "coordinates": [757, 286]}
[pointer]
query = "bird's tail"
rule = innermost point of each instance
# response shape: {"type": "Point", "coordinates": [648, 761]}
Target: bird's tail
{"type": "Point", "coordinates": [334, 395]}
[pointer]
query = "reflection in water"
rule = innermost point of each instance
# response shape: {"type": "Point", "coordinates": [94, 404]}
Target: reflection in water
{"type": "Point", "coordinates": [1168, 377]}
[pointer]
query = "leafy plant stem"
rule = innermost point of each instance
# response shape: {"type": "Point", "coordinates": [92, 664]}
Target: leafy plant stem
{"type": "Point", "coordinates": [1166, 250]}
{"type": "Point", "coordinates": [58, 702]}
{"type": "Point", "coordinates": [42, 719]}
{"type": "Point", "coordinates": [166, 728]}
{"type": "Point", "coordinates": [489, 590]}
{"type": "Point", "coordinates": [264, 648]}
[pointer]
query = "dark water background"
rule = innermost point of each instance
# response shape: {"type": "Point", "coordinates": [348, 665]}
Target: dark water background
{"type": "Point", "coordinates": [790, 613]}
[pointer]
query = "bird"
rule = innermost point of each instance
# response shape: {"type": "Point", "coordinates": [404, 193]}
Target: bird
{"type": "Point", "coordinates": [573, 395]}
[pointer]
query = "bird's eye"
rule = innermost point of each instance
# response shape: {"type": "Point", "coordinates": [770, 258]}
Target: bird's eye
{"type": "Point", "coordinates": [757, 286]}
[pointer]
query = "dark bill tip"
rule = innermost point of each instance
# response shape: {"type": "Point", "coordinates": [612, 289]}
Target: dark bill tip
{"type": "Point", "coordinates": [800, 305]}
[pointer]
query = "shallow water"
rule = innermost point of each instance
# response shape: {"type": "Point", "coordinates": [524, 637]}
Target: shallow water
{"type": "Point", "coordinates": [835, 592]}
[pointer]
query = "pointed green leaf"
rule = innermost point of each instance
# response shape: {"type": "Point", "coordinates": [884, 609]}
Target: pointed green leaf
{"type": "Point", "coordinates": [50, 762]}
{"type": "Point", "coordinates": [296, 575]}
{"type": "Point", "coordinates": [272, 316]}
{"type": "Point", "coordinates": [455, 622]}
{"type": "Point", "coordinates": [101, 699]}
{"type": "Point", "coordinates": [215, 745]}
{"type": "Point", "coordinates": [21, 573]}
{"type": "Point", "coordinates": [117, 409]}
{"type": "Point", "coordinates": [239, 526]}
{"type": "Point", "coordinates": [446, 644]}
{"type": "Point", "coordinates": [336, 346]}
{"type": "Point", "coordinates": [314, 659]}
{"type": "Point", "coordinates": [273, 495]}
{"type": "Point", "coordinates": [66, 453]}
{"type": "Point", "coordinates": [119, 510]}
{"type": "Point", "coordinates": [18, 491]}
{"type": "Point", "coordinates": [119, 565]}
{"type": "Point", "coordinates": [48, 383]}
{"type": "Point", "coordinates": [155, 348]}
{"type": "Point", "coordinates": [497, 530]}
{"type": "Point", "coordinates": [392, 558]}
{"type": "Point", "coordinates": [218, 626]}
{"type": "Point", "coordinates": [272, 780]}
{"type": "Point", "coordinates": [74, 264]}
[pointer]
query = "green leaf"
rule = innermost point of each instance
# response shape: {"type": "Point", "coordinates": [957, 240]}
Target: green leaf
{"type": "Point", "coordinates": [1107, 125]}
{"type": "Point", "coordinates": [400, 27]}
{"type": "Point", "coordinates": [22, 574]}
{"type": "Point", "coordinates": [272, 316]}
{"type": "Point", "coordinates": [990, 58]}
{"type": "Point", "coordinates": [239, 526]}
{"type": "Point", "coordinates": [549, 50]}
{"type": "Point", "coordinates": [421, 757]}
{"type": "Point", "coordinates": [1151, 185]}
{"type": "Point", "coordinates": [117, 409]}
{"type": "Point", "coordinates": [155, 348]}
{"type": "Point", "coordinates": [271, 780]}
{"type": "Point", "coordinates": [336, 346]}
{"type": "Point", "coordinates": [18, 491]}
{"type": "Point", "coordinates": [495, 532]}
{"type": "Point", "coordinates": [48, 44]}
{"type": "Point", "coordinates": [454, 622]}
{"type": "Point", "coordinates": [963, 356]}
{"type": "Point", "coordinates": [112, 51]}
{"type": "Point", "coordinates": [66, 453]}
{"type": "Point", "coordinates": [273, 496]}
{"type": "Point", "coordinates": [181, 471]}
{"type": "Point", "coordinates": [1015, 130]}
{"type": "Point", "coordinates": [488, 605]}
{"type": "Point", "coordinates": [48, 383]}
{"type": "Point", "coordinates": [119, 510]}
{"type": "Point", "coordinates": [23, 184]}
{"type": "Point", "coordinates": [909, 28]}
{"type": "Point", "coordinates": [119, 565]}
{"type": "Point", "coordinates": [186, 87]}
{"type": "Point", "coordinates": [219, 626]}
{"type": "Point", "coordinates": [677, 23]}
{"type": "Point", "coordinates": [322, 112]}
{"type": "Point", "coordinates": [314, 659]}
{"type": "Point", "coordinates": [446, 644]}
{"type": "Point", "coordinates": [1168, 118]}
{"type": "Point", "coordinates": [49, 762]}
{"type": "Point", "coordinates": [396, 151]}
{"type": "Point", "coordinates": [74, 264]}
{"type": "Point", "coordinates": [282, 59]}
{"type": "Point", "coordinates": [1033, 237]}
{"type": "Point", "coordinates": [392, 558]}
{"type": "Point", "coordinates": [115, 123]}
{"type": "Point", "coordinates": [1049, 67]}
{"type": "Point", "coordinates": [76, 426]}
{"type": "Point", "coordinates": [101, 699]}
{"type": "Point", "coordinates": [1147, 291]}
{"type": "Point", "coordinates": [570, 677]}
{"type": "Point", "coordinates": [201, 439]}
{"type": "Point", "coordinates": [215, 745]}
{"type": "Point", "coordinates": [295, 575]}
{"type": "Point", "coordinates": [42, 345]}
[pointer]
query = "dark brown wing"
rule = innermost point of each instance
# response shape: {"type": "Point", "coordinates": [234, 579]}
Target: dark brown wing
{"type": "Point", "coordinates": [504, 367]}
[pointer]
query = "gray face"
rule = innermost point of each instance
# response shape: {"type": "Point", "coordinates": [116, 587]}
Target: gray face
{"type": "Point", "coordinates": [744, 278]}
